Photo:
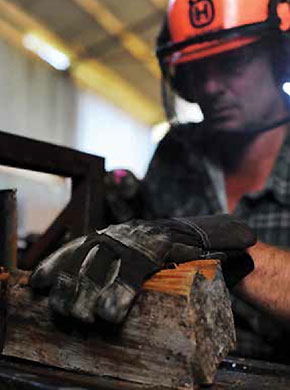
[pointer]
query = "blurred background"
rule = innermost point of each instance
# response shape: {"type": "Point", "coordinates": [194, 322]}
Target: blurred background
{"type": "Point", "coordinates": [79, 73]}
{"type": "Point", "coordinates": [83, 74]}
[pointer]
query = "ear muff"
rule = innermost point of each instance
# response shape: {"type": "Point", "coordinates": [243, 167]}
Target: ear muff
{"type": "Point", "coordinates": [171, 75]}
{"type": "Point", "coordinates": [283, 12]}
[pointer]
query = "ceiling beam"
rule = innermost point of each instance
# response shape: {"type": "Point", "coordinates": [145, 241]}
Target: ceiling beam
{"type": "Point", "coordinates": [90, 74]}
{"type": "Point", "coordinates": [27, 23]}
{"type": "Point", "coordinates": [106, 45]}
{"type": "Point", "coordinates": [116, 28]}
{"type": "Point", "coordinates": [10, 34]}
{"type": "Point", "coordinates": [160, 4]}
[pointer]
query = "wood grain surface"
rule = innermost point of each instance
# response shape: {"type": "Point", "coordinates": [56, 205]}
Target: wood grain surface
{"type": "Point", "coordinates": [175, 335]}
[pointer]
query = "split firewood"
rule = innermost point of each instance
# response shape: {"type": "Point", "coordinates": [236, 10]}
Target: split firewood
{"type": "Point", "coordinates": [175, 335]}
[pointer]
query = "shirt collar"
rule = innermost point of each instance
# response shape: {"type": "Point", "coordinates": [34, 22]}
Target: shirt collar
{"type": "Point", "coordinates": [278, 183]}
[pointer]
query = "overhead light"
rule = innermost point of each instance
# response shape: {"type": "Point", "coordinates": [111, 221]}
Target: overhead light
{"type": "Point", "coordinates": [286, 88]}
{"type": "Point", "coordinates": [45, 51]}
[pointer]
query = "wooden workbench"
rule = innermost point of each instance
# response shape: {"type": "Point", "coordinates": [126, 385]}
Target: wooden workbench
{"type": "Point", "coordinates": [233, 374]}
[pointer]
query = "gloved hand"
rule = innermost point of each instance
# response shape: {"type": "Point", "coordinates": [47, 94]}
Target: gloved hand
{"type": "Point", "coordinates": [123, 196]}
{"type": "Point", "coordinates": [101, 274]}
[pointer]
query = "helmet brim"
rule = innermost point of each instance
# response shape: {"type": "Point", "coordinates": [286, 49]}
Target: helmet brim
{"type": "Point", "coordinates": [213, 43]}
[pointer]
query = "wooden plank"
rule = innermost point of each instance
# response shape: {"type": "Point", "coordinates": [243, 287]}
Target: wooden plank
{"type": "Point", "coordinates": [233, 374]}
{"type": "Point", "coordinates": [173, 338]}
{"type": "Point", "coordinates": [4, 276]}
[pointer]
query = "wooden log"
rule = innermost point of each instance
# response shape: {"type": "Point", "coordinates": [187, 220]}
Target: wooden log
{"type": "Point", "coordinates": [177, 332]}
{"type": "Point", "coordinates": [4, 277]}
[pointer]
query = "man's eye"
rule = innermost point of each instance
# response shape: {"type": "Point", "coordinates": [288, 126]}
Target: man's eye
{"type": "Point", "coordinates": [234, 65]}
{"type": "Point", "coordinates": [237, 62]}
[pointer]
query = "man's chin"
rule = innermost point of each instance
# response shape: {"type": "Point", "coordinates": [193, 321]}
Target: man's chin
{"type": "Point", "coordinates": [228, 125]}
{"type": "Point", "coordinates": [225, 144]}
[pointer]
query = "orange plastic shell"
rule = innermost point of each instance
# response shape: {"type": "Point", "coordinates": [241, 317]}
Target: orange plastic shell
{"type": "Point", "coordinates": [283, 11]}
{"type": "Point", "coordinates": [191, 18]}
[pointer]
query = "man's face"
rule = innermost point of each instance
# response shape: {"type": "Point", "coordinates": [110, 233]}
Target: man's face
{"type": "Point", "coordinates": [235, 91]}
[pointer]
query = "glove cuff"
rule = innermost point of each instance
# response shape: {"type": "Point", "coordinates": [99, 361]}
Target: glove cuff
{"type": "Point", "coordinates": [236, 266]}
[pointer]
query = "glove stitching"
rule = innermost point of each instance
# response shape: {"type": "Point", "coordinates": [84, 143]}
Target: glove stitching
{"type": "Point", "coordinates": [214, 255]}
{"type": "Point", "coordinates": [203, 235]}
{"type": "Point", "coordinates": [64, 277]}
{"type": "Point", "coordinates": [131, 244]}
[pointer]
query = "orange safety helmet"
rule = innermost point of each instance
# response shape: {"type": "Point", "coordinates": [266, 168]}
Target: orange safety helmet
{"type": "Point", "coordinates": [201, 28]}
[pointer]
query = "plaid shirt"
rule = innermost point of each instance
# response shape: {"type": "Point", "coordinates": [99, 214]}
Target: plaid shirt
{"type": "Point", "coordinates": [179, 183]}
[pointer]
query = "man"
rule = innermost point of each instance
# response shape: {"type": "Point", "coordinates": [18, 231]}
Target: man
{"type": "Point", "coordinates": [223, 55]}
{"type": "Point", "coordinates": [241, 169]}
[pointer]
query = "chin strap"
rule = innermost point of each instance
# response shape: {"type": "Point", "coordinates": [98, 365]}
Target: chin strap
{"type": "Point", "coordinates": [272, 126]}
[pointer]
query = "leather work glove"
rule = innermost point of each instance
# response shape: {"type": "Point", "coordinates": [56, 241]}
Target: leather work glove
{"type": "Point", "coordinates": [101, 274]}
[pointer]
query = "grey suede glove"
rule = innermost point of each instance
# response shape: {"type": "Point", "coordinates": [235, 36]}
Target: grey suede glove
{"type": "Point", "coordinates": [101, 274]}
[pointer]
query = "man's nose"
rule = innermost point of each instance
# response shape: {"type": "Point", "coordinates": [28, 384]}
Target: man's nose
{"type": "Point", "coordinates": [213, 82]}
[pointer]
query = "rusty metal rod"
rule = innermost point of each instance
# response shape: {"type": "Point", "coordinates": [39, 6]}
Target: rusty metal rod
{"type": "Point", "coordinates": [8, 229]}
